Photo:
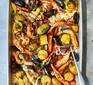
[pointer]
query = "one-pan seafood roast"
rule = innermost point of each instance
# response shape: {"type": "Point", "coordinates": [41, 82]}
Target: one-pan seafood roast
{"type": "Point", "coordinates": [42, 33]}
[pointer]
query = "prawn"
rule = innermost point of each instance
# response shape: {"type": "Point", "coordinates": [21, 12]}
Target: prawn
{"type": "Point", "coordinates": [60, 23]}
{"type": "Point", "coordinates": [29, 34]}
{"type": "Point", "coordinates": [25, 12]}
{"type": "Point", "coordinates": [73, 37]}
{"type": "Point", "coordinates": [63, 60]}
{"type": "Point", "coordinates": [55, 32]}
{"type": "Point", "coordinates": [61, 69]}
{"type": "Point", "coordinates": [20, 47]}
{"type": "Point", "coordinates": [15, 54]}
{"type": "Point", "coordinates": [58, 76]}
{"type": "Point", "coordinates": [51, 2]}
{"type": "Point", "coordinates": [24, 40]}
{"type": "Point", "coordinates": [61, 16]}
{"type": "Point", "coordinates": [50, 44]}
{"type": "Point", "coordinates": [20, 61]}
{"type": "Point", "coordinates": [32, 76]}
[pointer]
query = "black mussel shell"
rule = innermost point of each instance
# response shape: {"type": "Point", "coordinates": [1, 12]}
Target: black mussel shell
{"type": "Point", "coordinates": [19, 3]}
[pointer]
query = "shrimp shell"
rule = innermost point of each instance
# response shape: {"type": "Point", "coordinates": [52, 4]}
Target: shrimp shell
{"type": "Point", "coordinates": [20, 47]}
{"type": "Point", "coordinates": [58, 76]}
{"type": "Point", "coordinates": [29, 33]}
{"type": "Point", "coordinates": [61, 69]}
{"type": "Point", "coordinates": [60, 23]}
{"type": "Point", "coordinates": [51, 2]}
{"type": "Point", "coordinates": [63, 60]}
{"type": "Point", "coordinates": [31, 75]}
{"type": "Point", "coordinates": [61, 16]}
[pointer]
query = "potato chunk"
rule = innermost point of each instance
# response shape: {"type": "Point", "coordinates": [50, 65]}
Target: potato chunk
{"type": "Point", "coordinates": [69, 76]}
{"type": "Point", "coordinates": [42, 55]}
{"type": "Point", "coordinates": [42, 29]}
{"type": "Point", "coordinates": [20, 74]}
{"type": "Point", "coordinates": [21, 81]}
{"type": "Point", "coordinates": [55, 81]}
{"type": "Point", "coordinates": [13, 7]}
{"type": "Point", "coordinates": [45, 80]}
{"type": "Point", "coordinates": [43, 40]}
{"type": "Point", "coordinates": [73, 69]}
{"type": "Point", "coordinates": [75, 28]}
{"type": "Point", "coordinates": [70, 6]}
{"type": "Point", "coordinates": [17, 26]}
{"type": "Point", "coordinates": [19, 17]}
{"type": "Point", "coordinates": [65, 39]}
{"type": "Point", "coordinates": [26, 80]}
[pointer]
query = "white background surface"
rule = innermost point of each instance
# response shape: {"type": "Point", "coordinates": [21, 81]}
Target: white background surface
{"type": "Point", "coordinates": [4, 43]}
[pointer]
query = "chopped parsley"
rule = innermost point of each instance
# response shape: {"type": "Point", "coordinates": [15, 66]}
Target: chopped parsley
{"type": "Point", "coordinates": [62, 32]}
{"type": "Point", "coordinates": [18, 26]}
{"type": "Point", "coordinates": [54, 15]}
{"type": "Point", "coordinates": [51, 61]}
{"type": "Point", "coordinates": [40, 13]}
{"type": "Point", "coordinates": [63, 19]}
{"type": "Point", "coordinates": [60, 9]}
{"type": "Point", "coordinates": [13, 12]}
{"type": "Point", "coordinates": [44, 30]}
{"type": "Point", "coordinates": [31, 7]}
{"type": "Point", "coordinates": [65, 9]}
{"type": "Point", "coordinates": [55, 52]}
{"type": "Point", "coordinates": [34, 78]}
{"type": "Point", "coordinates": [43, 65]}
{"type": "Point", "coordinates": [68, 3]}
{"type": "Point", "coordinates": [29, 69]}
{"type": "Point", "coordinates": [28, 14]}
{"type": "Point", "coordinates": [50, 23]}
{"type": "Point", "coordinates": [37, 39]}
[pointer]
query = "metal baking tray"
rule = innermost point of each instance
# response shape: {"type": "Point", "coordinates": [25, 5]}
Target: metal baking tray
{"type": "Point", "coordinates": [80, 39]}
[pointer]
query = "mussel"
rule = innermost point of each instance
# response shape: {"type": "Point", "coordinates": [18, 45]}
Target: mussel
{"type": "Point", "coordinates": [35, 61]}
{"type": "Point", "coordinates": [19, 3]}
{"type": "Point", "coordinates": [76, 18]}
{"type": "Point", "coordinates": [47, 70]}
{"type": "Point", "coordinates": [34, 4]}
{"type": "Point", "coordinates": [61, 3]}
{"type": "Point", "coordinates": [14, 48]}
{"type": "Point", "coordinates": [50, 13]}
{"type": "Point", "coordinates": [76, 56]}
{"type": "Point", "coordinates": [57, 40]}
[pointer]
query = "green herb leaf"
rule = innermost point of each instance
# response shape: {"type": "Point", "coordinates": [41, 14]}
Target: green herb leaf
{"type": "Point", "coordinates": [68, 3]}
{"type": "Point", "coordinates": [37, 39]}
{"type": "Point", "coordinates": [65, 9]}
{"type": "Point", "coordinates": [51, 61]}
{"type": "Point", "coordinates": [40, 13]}
{"type": "Point", "coordinates": [63, 19]}
{"type": "Point", "coordinates": [50, 23]}
{"type": "Point", "coordinates": [54, 15]}
{"type": "Point", "coordinates": [60, 9]}
{"type": "Point", "coordinates": [17, 26]}
{"type": "Point", "coordinates": [44, 30]}
{"type": "Point", "coordinates": [31, 7]}
{"type": "Point", "coordinates": [28, 14]}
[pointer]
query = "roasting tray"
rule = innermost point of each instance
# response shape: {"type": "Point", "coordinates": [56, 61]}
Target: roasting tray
{"type": "Point", "coordinates": [80, 39]}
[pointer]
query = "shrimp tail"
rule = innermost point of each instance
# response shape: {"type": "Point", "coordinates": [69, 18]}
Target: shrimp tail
{"type": "Point", "coordinates": [58, 76]}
